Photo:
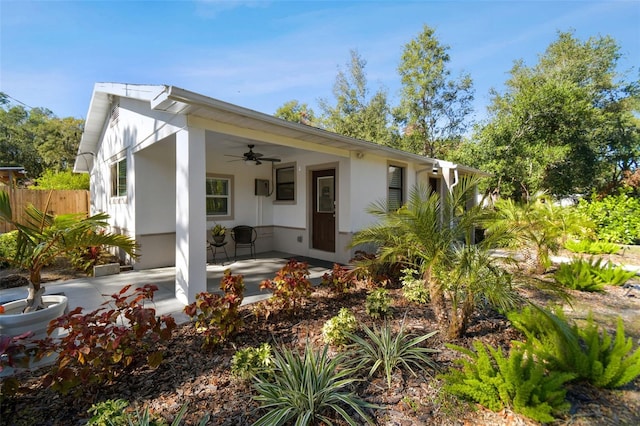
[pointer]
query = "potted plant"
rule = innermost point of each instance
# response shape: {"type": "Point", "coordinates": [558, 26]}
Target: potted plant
{"type": "Point", "coordinates": [41, 238]}
{"type": "Point", "coordinates": [218, 233]}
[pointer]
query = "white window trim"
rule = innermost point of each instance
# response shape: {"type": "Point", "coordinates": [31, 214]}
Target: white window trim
{"type": "Point", "coordinates": [231, 202]}
{"type": "Point", "coordinates": [295, 184]}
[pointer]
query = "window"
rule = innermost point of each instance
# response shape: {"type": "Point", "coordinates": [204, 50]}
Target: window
{"type": "Point", "coordinates": [218, 196]}
{"type": "Point", "coordinates": [396, 187]}
{"type": "Point", "coordinates": [119, 178]}
{"type": "Point", "coordinates": [286, 183]}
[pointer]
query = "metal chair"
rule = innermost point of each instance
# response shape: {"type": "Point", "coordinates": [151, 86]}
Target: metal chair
{"type": "Point", "coordinates": [244, 237]}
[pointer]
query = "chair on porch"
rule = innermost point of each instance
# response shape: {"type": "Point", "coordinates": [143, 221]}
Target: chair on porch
{"type": "Point", "coordinates": [244, 237]}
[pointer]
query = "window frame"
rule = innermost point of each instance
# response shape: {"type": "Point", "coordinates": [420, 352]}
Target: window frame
{"type": "Point", "coordinates": [118, 187]}
{"type": "Point", "coordinates": [401, 189]}
{"type": "Point", "coordinates": [278, 184]}
{"type": "Point", "coordinates": [230, 196]}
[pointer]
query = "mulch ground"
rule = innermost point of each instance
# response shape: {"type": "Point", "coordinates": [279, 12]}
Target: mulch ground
{"type": "Point", "coordinates": [203, 380]}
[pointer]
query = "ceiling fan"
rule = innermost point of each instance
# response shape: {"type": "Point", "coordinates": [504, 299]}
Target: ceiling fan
{"type": "Point", "coordinates": [254, 157]}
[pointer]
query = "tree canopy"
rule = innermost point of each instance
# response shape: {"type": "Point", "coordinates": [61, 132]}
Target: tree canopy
{"type": "Point", "coordinates": [36, 139]}
{"type": "Point", "coordinates": [433, 107]}
{"type": "Point", "coordinates": [356, 113]}
{"type": "Point", "coordinates": [566, 125]}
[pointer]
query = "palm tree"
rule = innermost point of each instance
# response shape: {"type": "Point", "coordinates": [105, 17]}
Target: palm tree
{"type": "Point", "coordinates": [435, 235]}
{"type": "Point", "coordinates": [43, 237]}
{"type": "Point", "coordinates": [538, 228]}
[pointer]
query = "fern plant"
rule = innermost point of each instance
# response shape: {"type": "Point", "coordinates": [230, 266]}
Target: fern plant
{"type": "Point", "coordinates": [387, 350]}
{"type": "Point", "coordinates": [516, 381]}
{"type": "Point", "coordinates": [613, 275]}
{"type": "Point", "coordinates": [578, 275]}
{"type": "Point", "coordinates": [591, 275]}
{"type": "Point", "coordinates": [592, 247]}
{"type": "Point", "coordinates": [588, 352]}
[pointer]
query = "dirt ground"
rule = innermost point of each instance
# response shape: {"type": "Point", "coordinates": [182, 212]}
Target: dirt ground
{"type": "Point", "coordinates": [203, 379]}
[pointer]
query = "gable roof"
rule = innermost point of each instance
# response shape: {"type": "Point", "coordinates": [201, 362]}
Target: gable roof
{"type": "Point", "coordinates": [174, 100]}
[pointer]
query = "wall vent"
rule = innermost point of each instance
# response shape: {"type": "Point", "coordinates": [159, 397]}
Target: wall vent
{"type": "Point", "coordinates": [115, 114]}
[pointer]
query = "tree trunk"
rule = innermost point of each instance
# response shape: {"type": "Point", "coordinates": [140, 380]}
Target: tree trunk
{"type": "Point", "coordinates": [438, 302]}
{"type": "Point", "coordinates": [34, 299]}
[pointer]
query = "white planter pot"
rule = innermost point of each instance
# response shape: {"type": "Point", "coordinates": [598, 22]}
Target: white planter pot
{"type": "Point", "coordinates": [13, 322]}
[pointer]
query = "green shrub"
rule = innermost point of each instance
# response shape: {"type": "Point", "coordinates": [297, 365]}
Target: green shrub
{"type": "Point", "coordinates": [250, 362]}
{"type": "Point", "coordinates": [305, 389]}
{"type": "Point", "coordinates": [517, 381]}
{"type": "Point", "coordinates": [7, 247]}
{"type": "Point", "coordinates": [385, 350]}
{"type": "Point", "coordinates": [617, 217]}
{"type": "Point", "coordinates": [113, 413]}
{"type": "Point", "coordinates": [592, 247]}
{"type": "Point", "coordinates": [586, 352]}
{"type": "Point", "coordinates": [414, 289]}
{"type": "Point", "coordinates": [336, 330]}
{"type": "Point", "coordinates": [378, 303]}
{"type": "Point", "coordinates": [108, 413]}
{"type": "Point", "coordinates": [591, 275]}
{"type": "Point", "coordinates": [65, 179]}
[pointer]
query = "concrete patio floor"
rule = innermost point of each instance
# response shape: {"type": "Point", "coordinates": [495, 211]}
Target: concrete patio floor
{"type": "Point", "coordinates": [89, 293]}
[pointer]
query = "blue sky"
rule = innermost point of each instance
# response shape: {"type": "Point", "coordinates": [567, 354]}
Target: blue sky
{"type": "Point", "coordinates": [260, 54]}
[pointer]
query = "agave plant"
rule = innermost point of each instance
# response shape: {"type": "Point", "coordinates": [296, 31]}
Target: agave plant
{"type": "Point", "coordinates": [43, 237]}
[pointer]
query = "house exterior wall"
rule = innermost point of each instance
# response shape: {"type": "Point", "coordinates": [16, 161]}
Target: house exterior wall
{"type": "Point", "coordinates": [135, 128]}
{"type": "Point", "coordinates": [146, 138]}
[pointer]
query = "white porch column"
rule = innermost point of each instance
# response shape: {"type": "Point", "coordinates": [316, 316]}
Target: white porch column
{"type": "Point", "coordinates": [191, 221]}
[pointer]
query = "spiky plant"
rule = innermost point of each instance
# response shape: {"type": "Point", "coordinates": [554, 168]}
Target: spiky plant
{"type": "Point", "coordinates": [387, 350]}
{"type": "Point", "coordinates": [305, 389]}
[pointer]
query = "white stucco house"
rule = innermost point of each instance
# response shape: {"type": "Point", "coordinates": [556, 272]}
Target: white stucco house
{"type": "Point", "coordinates": [167, 164]}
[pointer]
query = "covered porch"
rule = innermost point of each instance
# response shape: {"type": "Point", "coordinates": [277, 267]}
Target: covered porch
{"type": "Point", "coordinates": [90, 292]}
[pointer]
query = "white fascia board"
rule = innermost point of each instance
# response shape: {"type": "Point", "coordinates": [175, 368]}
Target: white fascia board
{"type": "Point", "coordinates": [170, 96]}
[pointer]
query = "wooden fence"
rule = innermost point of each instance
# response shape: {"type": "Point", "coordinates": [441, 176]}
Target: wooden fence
{"type": "Point", "coordinates": [59, 202]}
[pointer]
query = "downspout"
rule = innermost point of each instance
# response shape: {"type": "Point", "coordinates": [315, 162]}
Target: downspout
{"type": "Point", "coordinates": [456, 178]}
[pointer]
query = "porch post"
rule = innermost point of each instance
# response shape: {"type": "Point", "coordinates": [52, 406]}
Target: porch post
{"type": "Point", "coordinates": [191, 221]}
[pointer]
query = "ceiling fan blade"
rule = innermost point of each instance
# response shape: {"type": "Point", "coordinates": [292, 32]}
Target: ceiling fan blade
{"type": "Point", "coordinates": [234, 156]}
{"type": "Point", "coordinates": [275, 160]}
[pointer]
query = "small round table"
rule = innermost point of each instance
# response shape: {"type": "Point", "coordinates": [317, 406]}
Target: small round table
{"type": "Point", "coordinates": [213, 246]}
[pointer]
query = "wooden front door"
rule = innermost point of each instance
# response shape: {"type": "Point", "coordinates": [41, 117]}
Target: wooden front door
{"type": "Point", "coordinates": [324, 210]}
